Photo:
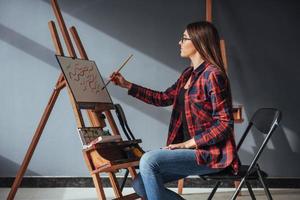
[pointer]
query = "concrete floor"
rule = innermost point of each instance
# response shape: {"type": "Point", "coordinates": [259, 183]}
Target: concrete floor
{"type": "Point", "coordinates": [90, 194]}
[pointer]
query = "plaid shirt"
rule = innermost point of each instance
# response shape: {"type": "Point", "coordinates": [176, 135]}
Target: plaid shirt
{"type": "Point", "coordinates": [208, 113]}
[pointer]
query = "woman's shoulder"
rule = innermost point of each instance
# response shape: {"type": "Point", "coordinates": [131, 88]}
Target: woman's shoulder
{"type": "Point", "coordinates": [212, 70]}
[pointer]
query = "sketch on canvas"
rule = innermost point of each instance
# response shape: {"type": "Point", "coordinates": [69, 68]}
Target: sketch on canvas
{"type": "Point", "coordinates": [84, 80]}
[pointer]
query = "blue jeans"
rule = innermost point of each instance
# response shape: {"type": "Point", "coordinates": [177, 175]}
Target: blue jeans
{"type": "Point", "coordinates": [161, 166]}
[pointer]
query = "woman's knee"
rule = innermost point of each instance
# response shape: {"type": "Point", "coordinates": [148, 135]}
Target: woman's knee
{"type": "Point", "coordinates": [149, 162]}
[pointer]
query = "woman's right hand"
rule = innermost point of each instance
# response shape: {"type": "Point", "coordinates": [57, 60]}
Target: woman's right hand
{"type": "Point", "coordinates": [119, 80]}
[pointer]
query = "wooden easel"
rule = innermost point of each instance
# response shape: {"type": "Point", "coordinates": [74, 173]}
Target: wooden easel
{"type": "Point", "coordinates": [104, 157]}
{"type": "Point", "coordinates": [237, 109]}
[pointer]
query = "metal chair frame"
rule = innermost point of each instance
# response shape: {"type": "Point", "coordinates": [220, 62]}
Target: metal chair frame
{"type": "Point", "coordinates": [265, 120]}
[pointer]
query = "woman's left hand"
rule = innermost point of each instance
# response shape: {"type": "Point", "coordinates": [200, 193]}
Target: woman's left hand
{"type": "Point", "coordinates": [190, 144]}
{"type": "Point", "coordinates": [176, 146]}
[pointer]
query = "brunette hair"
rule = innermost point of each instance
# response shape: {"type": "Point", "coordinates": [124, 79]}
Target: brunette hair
{"type": "Point", "coordinates": [206, 40]}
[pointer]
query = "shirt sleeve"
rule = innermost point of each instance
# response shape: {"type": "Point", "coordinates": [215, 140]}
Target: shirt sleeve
{"type": "Point", "coordinates": [156, 98]}
{"type": "Point", "coordinates": [222, 125]}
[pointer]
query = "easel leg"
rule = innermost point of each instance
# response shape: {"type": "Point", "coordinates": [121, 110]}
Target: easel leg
{"type": "Point", "coordinates": [236, 185]}
{"type": "Point", "coordinates": [34, 141]}
{"type": "Point", "coordinates": [180, 185]}
{"type": "Point", "coordinates": [115, 184]}
{"type": "Point", "coordinates": [132, 172]}
{"type": "Point", "coordinates": [98, 186]}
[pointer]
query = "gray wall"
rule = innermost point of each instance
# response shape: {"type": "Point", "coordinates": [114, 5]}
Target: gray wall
{"type": "Point", "coordinates": [261, 38]}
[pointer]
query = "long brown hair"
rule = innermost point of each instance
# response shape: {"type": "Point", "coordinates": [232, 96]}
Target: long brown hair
{"type": "Point", "coordinates": [206, 40]}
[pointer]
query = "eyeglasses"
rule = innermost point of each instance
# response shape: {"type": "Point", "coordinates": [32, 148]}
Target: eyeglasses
{"type": "Point", "coordinates": [183, 39]}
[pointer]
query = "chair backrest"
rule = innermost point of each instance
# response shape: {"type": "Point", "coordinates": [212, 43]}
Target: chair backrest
{"type": "Point", "coordinates": [265, 120]}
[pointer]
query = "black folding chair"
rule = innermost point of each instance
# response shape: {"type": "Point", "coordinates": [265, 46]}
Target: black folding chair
{"type": "Point", "coordinates": [129, 135]}
{"type": "Point", "coordinates": [265, 120]}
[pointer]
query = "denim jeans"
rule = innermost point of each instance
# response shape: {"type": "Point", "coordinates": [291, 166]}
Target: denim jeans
{"type": "Point", "coordinates": [160, 166]}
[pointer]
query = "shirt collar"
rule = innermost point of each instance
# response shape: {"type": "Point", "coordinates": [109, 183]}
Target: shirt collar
{"type": "Point", "coordinates": [196, 72]}
{"type": "Point", "coordinates": [200, 68]}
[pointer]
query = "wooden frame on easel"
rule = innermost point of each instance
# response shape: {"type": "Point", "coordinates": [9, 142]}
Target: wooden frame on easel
{"type": "Point", "coordinates": [96, 158]}
{"type": "Point", "coordinates": [237, 109]}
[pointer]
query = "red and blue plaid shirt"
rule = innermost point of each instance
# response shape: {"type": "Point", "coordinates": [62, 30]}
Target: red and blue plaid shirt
{"type": "Point", "coordinates": [208, 111]}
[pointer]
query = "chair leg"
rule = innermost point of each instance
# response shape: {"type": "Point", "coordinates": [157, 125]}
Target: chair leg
{"type": "Point", "coordinates": [124, 180]}
{"type": "Point", "coordinates": [211, 195]}
{"type": "Point", "coordinates": [236, 193]}
{"type": "Point", "coordinates": [250, 190]}
{"type": "Point", "coordinates": [262, 180]}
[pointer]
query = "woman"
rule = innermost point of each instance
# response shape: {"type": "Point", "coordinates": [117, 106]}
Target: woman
{"type": "Point", "coordinates": [200, 139]}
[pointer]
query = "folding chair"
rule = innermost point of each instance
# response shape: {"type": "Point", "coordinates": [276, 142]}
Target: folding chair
{"type": "Point", "coordinates": [265, 120]}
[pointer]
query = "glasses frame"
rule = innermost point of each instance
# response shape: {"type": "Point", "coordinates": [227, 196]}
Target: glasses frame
{"type": "Point", "coordinates": [183, 39]}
